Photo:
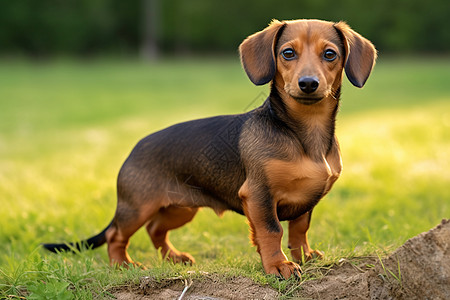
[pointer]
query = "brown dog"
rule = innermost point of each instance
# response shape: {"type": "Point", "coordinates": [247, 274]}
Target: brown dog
{"type": "Point", "coordinates": [271, 164]}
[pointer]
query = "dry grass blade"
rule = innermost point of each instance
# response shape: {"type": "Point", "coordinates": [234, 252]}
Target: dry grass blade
{"type": "Point", "coordinates": [186, 288]}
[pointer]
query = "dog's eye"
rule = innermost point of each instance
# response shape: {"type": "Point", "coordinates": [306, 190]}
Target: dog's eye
{"type": "Point", "coordinates": [329, 55]}
{"type": "Point", "coordinates": [288, 54]}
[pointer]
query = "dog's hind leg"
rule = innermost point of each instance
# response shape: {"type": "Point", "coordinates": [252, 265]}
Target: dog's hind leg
{"type": "Point", "coordinates": [166, 219]}
{"type": "Point", "coordinates": [126, 222]}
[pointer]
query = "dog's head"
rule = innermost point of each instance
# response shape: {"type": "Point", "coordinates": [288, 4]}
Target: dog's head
{"type": "Point", "coordinates": [305, 58]}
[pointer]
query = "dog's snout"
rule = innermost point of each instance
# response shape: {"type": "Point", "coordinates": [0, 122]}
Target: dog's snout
{"type": "Point", "coordinates": [308, 84]}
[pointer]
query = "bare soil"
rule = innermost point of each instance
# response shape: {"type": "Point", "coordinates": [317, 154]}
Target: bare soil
{"type": "Point", "coordinates": [210, 287]}
{"type": "Point", "coordinates": [420, 269]}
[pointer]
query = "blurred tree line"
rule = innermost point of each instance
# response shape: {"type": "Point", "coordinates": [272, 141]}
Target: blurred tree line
{"type": "Point", "coordinates": [91, 27]}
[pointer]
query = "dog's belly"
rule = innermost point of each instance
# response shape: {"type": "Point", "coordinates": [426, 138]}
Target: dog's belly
{"type": "Point", "coordinates": [213, 185]}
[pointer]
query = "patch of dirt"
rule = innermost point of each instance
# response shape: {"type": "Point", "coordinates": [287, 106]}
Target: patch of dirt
{"type": "Point", "coordinates": [420, 269]}
{"type": "Point", "coordinates": [347, 280]}
{"type": "Point", "coordinates": [209, 287]}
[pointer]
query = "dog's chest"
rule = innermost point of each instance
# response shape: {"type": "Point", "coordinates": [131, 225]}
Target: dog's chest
{"type": "Point", "coordinates": [302, 182]}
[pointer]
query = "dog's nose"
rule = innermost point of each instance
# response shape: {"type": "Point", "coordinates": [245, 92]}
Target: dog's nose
{"type": "Point", "coordinates": [308, 84]}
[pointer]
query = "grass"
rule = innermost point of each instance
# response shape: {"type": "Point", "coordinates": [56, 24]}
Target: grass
{"type": "Point", "coordinates": [67, 126]}
{"type": "Point", "coordinates": [387, 271]}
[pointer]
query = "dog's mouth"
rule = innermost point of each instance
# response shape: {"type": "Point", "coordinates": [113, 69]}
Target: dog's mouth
{"type": "Point", "coordinates": [307, 100]}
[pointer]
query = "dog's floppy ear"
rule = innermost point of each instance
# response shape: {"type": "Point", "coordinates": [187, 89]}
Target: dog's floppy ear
{"type": "Point", "coordinates": [258, 53]}
{"type": "Point", "coordinates": [360, 54]}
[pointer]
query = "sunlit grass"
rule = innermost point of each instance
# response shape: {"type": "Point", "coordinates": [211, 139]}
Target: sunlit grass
{"type": "Point", "coordinates": [66, 127]}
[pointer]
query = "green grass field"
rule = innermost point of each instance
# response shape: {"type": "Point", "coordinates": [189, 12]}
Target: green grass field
{"type": "Point", "coordinates": [67, 126]}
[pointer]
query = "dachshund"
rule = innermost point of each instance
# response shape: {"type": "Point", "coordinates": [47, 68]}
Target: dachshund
{"type": "Point", "coordinates": [271, 164]}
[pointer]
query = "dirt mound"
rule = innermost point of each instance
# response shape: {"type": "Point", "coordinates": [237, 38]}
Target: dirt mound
{"type": "Point", "coordinates": [420, 269]}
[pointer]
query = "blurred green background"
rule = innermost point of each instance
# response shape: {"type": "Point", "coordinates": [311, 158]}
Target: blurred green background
{"type": "Point", "coordinates": [145, 27]}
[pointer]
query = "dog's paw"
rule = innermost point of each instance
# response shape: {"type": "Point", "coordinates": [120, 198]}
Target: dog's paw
{"type": "Point", "coordinates": [285, 269]}
{"type": "Point", "coordinates": [128, 264]}
{"type": "Point", "coordinates": [307, 256]}
{"type": "Point", "coordinates": [138, 265]}
{"type": "Point", "coordinates": [181, 257]}
{"type": "Point", "coordinates": [315, 254]}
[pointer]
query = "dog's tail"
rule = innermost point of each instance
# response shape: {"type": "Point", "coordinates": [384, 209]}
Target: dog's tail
{"type": "Point", "coordinates": [90, 243]}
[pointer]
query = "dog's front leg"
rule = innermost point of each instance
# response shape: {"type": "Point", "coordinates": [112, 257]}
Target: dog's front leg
{"type": "Point", "coordinates": [266, 233]}
{"type": "Point", "coordinates": [298, 239]}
